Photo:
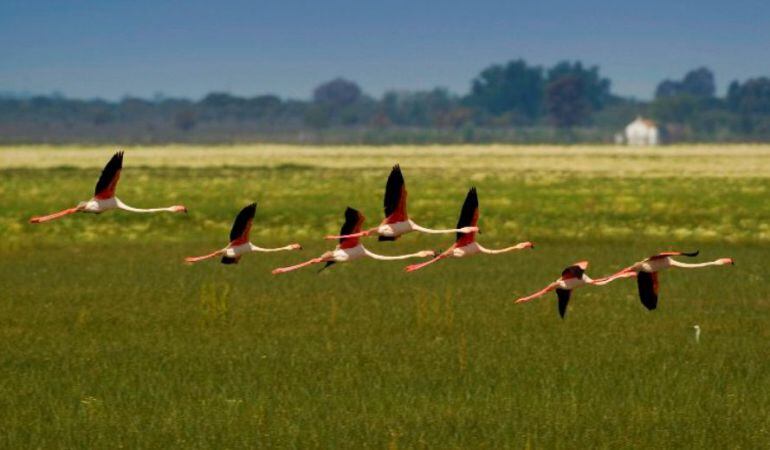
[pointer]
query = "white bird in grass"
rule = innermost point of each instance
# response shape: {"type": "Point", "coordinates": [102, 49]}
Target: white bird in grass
{"type": "Point", "coordinates": [697, 332]}
{"type": "Point", "coordinates": [104, 197]}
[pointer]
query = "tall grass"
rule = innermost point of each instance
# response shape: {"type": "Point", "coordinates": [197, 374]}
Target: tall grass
{"type": "Point", "coordinates": [107, 339]}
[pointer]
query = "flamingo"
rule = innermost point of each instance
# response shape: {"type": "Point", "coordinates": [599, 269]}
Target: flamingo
{"type": "Point", "coordinates": [239, 240]}
{"type": "Point", "coordinates": [397, 222]}
{"type": "Point", "coordinates": [104, 196]}
{"type": "Point", "coordinates": [571, 278]}
{"type": "Point", "coordinates": [350, 248]}
{"type": "Point", "coordinates": [465, 243]}
{"type": "Point", "coordinates": [646, 273]}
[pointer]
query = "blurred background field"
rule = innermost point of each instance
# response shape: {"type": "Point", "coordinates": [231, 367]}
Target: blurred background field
{"type": "Point", "coordinates": [109, 339]}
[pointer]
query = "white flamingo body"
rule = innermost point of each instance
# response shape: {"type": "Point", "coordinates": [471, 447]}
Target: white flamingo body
{"type": "Point", "coordinates": [348, 254]}
{"type": "Point", "coordinates": [396, 229]}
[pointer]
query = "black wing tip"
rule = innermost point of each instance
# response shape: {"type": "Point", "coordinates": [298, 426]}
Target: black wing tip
{"type": "Point", "coordinates": [351, 213]}
{"type": "Point", "coordinates": [396, 168]}
{"type": "Point", "coordinates": [650, 307]}
{"type": "Point", "coordinates": [691, 254]}
{"type": "Point", "coordinates": [473, 195]}
{"type": "Point", "coordinates": [251, 208]}
{"type": "Point", "coordinates": [118, 156]}
{"type": "Point", "coordinates": [386, 238]}
{"type": "Point", "coordinates": [228, 260]}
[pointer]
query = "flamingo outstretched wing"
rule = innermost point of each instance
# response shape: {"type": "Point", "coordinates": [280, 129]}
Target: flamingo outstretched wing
{"type": "Point", "coordinates": [575, 271]}
{"type": "Point", "coordinates": [239, 233]}
{"type": "Point", "coordinates": [469, 217]}
{"type": "Point", "coordinates": [648, 289]}
{"type": "Point", "coordinates": [352, 225]}
{"type": "Point", "coordinates": [563, 295]}
{"type": "Point", "coordinates": [395, 197]}
{"type": "Point", "coordinates": [108, 180]}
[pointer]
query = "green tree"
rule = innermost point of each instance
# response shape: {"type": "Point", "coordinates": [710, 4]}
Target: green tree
{"type": "Point", "coordinates": [594, 88]}
{"type": "Point", "coordinates": [513, 87]}
{"type": "Point", "coordinates": [567, 102]}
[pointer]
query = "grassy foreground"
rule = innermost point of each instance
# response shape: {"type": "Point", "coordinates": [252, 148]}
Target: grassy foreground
{"type": "Point", "coordinates": [107, 339]}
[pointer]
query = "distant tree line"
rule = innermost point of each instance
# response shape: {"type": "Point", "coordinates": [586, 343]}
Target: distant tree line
{"type": "Point", "coordinates": [511, 102]}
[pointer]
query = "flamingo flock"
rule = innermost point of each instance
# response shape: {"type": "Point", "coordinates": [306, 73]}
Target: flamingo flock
{"type": "Point", "coordinates": [395, 224]}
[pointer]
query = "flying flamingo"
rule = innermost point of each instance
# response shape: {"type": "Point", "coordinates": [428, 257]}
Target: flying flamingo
{"type": "Point", "coordinates": [350, 248]}
{"type": "Point", "coordinates": [646, 273]}
{"type": "Point", "coordinates": [466, 244]}
{"type": "Point", "coordinates": [239, 240]}
{"type": "Point", "coordinates": [396, 220]}
{"type": "Point", "coordinates": [104, 196]}
{"type": "Point", "coordinates": [571, 278]}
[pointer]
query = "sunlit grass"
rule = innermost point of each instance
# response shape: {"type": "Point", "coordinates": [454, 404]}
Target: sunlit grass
{"type": "Point", "coordinates": [107, 339]}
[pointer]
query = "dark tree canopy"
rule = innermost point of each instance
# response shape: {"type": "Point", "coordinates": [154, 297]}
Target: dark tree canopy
{"type": "Point", "coordinates": [337, 93]}
{"type": "Point", "coordinates": [596, 90]}
{"type": "Point", "coordinates": [697, 83]}
{"type": "Point", "coordinates": [567, 102]}
{"type": "Point", "coordinates": [751, 97]}
{"type": "Point", "coordinates": [513, 87]}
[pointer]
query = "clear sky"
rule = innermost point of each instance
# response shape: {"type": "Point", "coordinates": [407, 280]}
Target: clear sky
{"type": "Point", "coordinates": [187, 48]}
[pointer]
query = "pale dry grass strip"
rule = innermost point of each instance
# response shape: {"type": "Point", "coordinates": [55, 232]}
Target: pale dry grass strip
{"type": "Point", "coordinates": [682, 160]}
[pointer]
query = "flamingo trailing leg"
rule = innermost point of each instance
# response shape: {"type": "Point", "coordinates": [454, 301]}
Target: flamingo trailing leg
{"type": "Point", "coordinates": [397, 221]}
{"type": "Point", "coordinates": [104, 198]}
{"type": "Point", "coordinates": [350, 248]}
{"type": "Point", "coordinates": [239, 240]}
{"type": "Point", "coordinates": [465, 243]}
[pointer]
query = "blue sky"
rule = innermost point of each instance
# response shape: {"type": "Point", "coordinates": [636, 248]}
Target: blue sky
{"type": "Point", "coordinates": [188, 48]}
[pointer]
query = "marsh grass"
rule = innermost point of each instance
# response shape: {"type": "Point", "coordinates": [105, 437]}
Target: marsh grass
{"type": "Point", "coordinates": [107, 339]}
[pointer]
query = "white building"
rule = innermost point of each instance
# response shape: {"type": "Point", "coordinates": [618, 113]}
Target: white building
{"type": "Point", "coordinates": [642, 132]}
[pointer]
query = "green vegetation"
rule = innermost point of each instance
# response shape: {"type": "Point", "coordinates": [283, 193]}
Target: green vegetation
{"type": "Point", "coordinates": [107, 339]}
{"type": "Point", "coordinates": [512, 102]}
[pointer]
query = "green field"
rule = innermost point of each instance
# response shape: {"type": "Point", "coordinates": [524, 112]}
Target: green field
{"type": "Point", "coordinates": [107, 339]}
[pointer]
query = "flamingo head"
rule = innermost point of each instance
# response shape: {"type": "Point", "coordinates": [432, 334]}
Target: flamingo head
{"type": "Point", "coordinates": [726, 261]}
{"type": "Point", "coordinates": [178, 208]}
{"type": "Point", "coordinates": [426, 253]}
{"type": "Point", "coordinates": [526, 245]}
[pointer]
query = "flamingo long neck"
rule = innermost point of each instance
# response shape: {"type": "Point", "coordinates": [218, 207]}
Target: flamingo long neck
{"type": "Point", "coordinates": [682, 265]}
{"type": "Point", "coordinates": [502, 250]}
{"type": "Point", "coordinates": [125, 207]}
{"type": "Point", "coordinates": [392, 258]}
{"type": "Point", "coordinates": [422, 229]}
{"type": "Point", "coordinates": [254, 248]}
